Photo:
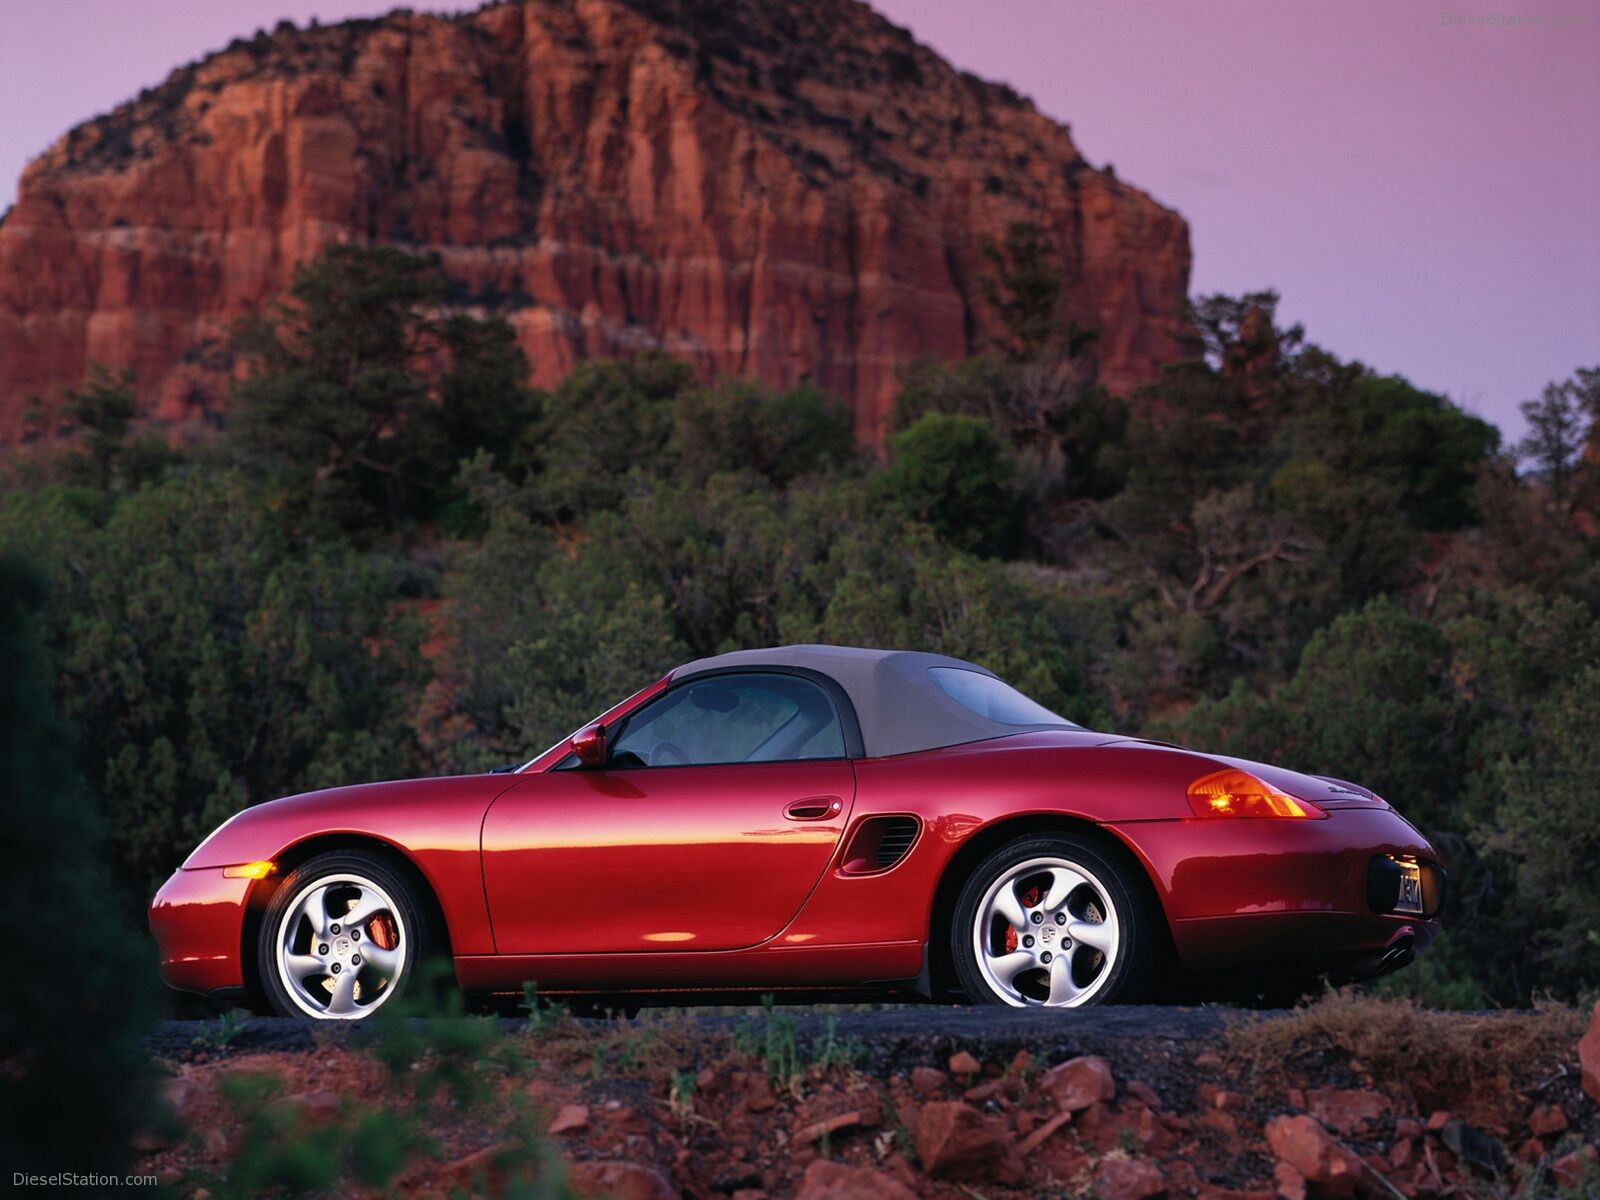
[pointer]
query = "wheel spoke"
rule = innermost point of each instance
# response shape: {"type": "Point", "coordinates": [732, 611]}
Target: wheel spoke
{"type": "Point", "coordinates": [387, 961]}
{"type": "Point", "coordinates": [1102, 936]}
{"type": "Point", "coordinates": [303, 966]}
{"type": "Point", "coordinates": [315, 909]}
{"type": "Point", "coordinates": [1063, 882]}
{"type": "Point", "coordinates": [1062, 989]}
{"type": "Point", "coordinates": [1007, 967]}
{"type": "Point", "coordinates": [343, 999]}
{"type": "Point", "coordinates": [1008, 906]}
{"type": "Point", "coordinates": [366, 905]}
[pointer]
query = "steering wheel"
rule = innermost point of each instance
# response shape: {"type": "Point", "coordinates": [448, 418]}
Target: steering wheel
{"type": "Point", "coordinates": [658, 755]}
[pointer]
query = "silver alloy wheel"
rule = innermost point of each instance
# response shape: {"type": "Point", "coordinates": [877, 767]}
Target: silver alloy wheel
{"type": "Point", "coordinates": [331, 960]}
{"type": "Point", "coordinates": [1046, 933]}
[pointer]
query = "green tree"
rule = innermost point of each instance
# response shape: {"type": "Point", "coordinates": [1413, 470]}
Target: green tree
{"type": "Point", "coordinates": [104, 408]}
{"type": "Point", "coordinates": [781, 435]}
{"type": "Point", "coordinates": [364, 400]}
{"type": "Point", "coordinates": [605, 425]}
{"type": "Point", "coordinates": [1558, 429]}
{"type": "Point", "coordinates": [1547, 825]}
{"type": "Point", "coordinates": [953, 474]}
{"type": "Point", "coordinates": [1024, 289]}
{"type": "Point", "coordinates": [538, 641]}
{"type": "Point", "coordinates": [78, 989]}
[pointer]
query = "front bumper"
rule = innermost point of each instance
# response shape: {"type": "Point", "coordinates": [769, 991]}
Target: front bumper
{"type": "Point", "coordinates": [197, 919]}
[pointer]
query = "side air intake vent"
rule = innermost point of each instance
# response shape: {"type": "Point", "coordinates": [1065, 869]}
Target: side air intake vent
{"type": "Point", "coordinates": [895, 839]}
{"type": "Point", "coordinates": [878, 843]}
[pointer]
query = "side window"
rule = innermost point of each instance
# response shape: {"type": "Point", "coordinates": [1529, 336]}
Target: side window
{"type": "Point", "coordinates": [732, 719]}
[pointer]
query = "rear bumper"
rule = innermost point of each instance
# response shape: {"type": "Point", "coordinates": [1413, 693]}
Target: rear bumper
{"type": "Point", "coordinates": [1253, 893]}
{"type": "Point", "coordinates": [1345, 945]}
{"type": "Point", "coordinates": [197, 919]}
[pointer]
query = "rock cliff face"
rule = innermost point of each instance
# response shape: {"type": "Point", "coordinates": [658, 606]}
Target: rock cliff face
{"type": "Point", "coordinates": [790, 189]}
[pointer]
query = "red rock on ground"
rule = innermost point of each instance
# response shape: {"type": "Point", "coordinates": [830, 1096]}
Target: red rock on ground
{"type": "Point", "coordinates": [1306, 1146]}
{"type": "Point", "coordinates": [826, 1128]}
{"type": "Point", "coordinates": [963, 1063]}
{"type": "Point", "coordinates": [956, 1141]}
{"type": "Point", "coordinates": [571, 1117]}
{"type": "Point", "coordinates": [1578, 1167]}
{"type": "Point", "coordinates": [995, 1089]}
{"type": "Point", "coordinates": [1589, 1056]}
{"type": "Point", "coordinates": [1546, 1120]}
{"type": "Point", "coordinates": [1344, 1109]}
{"type": "Point", "coordinates": [926, 1080]}
{"type": "Point", "coordinates": [618, 1181]}
{"type": "Point", "coordinates": [825, 1180]}
{"type": "Point", "coordinates": [1143, 1093]}
{"type": "Point", "coordinates": [1042, 1134]}
{"type": "Point", "coordinates": [481, 1167]}
{"type": "Point", "coordinates": [1291, 1184]}
{"type": "Point", "coordinates": [1079, 1082]}
{"type": "Point", "coordinates": [1128, 1179]}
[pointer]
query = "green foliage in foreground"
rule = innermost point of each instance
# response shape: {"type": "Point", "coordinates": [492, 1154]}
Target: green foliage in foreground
{"type": "Point", "coordinates": [401, 558]}
{"type": "Point", "coordinates": [74, 1085]}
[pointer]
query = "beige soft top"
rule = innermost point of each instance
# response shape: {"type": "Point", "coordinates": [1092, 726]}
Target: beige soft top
{"type": "Point", "coordinates": [898, 705]}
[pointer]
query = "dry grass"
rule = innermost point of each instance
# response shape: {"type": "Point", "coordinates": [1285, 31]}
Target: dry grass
{"type": "Point", "coordinates": [1395, 1039]}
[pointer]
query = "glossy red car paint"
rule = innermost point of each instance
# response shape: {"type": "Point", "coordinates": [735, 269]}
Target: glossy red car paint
{"type": "Point", "coordinates": [733, 876]}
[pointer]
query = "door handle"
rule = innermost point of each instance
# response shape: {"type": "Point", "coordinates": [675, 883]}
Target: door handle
{"type": "Point", "coordinates": [814, 808]}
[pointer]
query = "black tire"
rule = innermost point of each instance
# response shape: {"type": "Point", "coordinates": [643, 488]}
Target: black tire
{"type": "Point", "coordinates": [1129, 973]}
{"type": "Point", "coordinates": [417, 925]}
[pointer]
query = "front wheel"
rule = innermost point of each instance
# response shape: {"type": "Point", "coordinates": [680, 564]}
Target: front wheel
{"type": "Point", "coordinates": [1054, 920]}
{"type": "Point", "coordinates": [343, 935]}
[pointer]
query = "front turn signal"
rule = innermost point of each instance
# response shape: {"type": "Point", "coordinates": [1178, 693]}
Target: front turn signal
{"type": "Point", "coordinates": [1236, 793]}
{"type": "Point", "coordinates": [254, 870]}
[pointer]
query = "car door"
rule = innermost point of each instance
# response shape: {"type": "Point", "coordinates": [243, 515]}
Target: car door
{"type": "Point", "coordinates": [718, 808]}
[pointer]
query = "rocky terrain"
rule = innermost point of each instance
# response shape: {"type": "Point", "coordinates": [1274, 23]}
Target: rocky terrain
{"type": "Point", "coordinates": [794, 191]}
{"type": "Point", "coordinates": [1344, 1098]}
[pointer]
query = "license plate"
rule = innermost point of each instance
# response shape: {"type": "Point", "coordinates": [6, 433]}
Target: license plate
{"type": "Point", "coordinates": [1410, 898]}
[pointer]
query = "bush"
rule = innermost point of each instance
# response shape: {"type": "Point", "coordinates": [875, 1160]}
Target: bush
{"type": "Point", "coordinates": [952, 473]}
{"type": "Point", "coordinates": [75, 1086]}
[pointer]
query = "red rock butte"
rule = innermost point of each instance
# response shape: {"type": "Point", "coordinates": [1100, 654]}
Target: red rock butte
{"type": "Point", "coordinates": [789, 190]}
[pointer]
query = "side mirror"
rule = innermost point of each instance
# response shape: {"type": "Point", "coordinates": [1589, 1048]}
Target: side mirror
{"type": "Point", "coordinates": [589, 744]}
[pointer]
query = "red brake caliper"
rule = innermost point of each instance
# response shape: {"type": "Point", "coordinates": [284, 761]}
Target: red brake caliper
{"type": "Point", "coordinates": [1029, 898]}
{"type": "Point", "coordinates": [382, 932]}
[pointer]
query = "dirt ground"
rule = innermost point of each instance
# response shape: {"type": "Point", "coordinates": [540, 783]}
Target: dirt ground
{"type": "Point", "coordinates": [1344, 1097]}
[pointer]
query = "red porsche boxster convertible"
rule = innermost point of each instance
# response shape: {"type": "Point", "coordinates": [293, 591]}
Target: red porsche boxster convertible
{"type": "Point", "coordinates": [813, 818]}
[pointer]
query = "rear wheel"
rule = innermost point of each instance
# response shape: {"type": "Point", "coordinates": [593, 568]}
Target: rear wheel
{"type": "Point", "coordinates": [343, 935]}
{"type": "Point", "coordinates": [1054, 920]}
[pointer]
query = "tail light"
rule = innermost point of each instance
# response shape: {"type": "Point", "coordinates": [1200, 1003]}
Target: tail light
{"type": "Point", "coordinates": [1236, 793]}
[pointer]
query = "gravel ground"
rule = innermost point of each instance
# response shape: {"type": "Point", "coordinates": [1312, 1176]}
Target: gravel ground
{"type": "Point", "coordinates": [892, 1035]}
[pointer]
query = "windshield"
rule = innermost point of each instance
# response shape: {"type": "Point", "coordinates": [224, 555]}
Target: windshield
{"type": "Point", "coordinates": [993, 698]}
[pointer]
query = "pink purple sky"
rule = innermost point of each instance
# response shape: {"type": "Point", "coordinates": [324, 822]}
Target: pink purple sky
{"type": "Point", "coordinates": [1425, 196]}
